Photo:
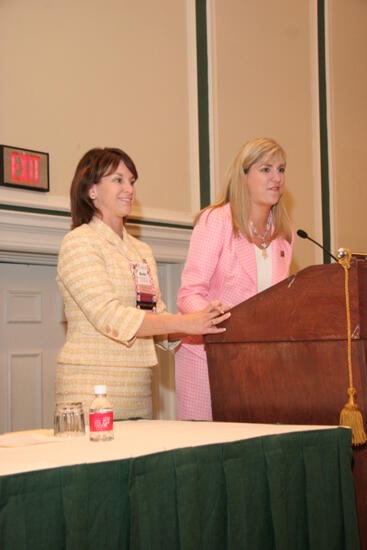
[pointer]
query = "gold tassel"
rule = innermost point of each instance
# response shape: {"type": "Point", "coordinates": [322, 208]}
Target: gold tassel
{"type": "Point", "coordinates": [350, 415]}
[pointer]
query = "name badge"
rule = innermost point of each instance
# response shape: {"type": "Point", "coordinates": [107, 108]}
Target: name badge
{"type": "Point", "coordinates": [146, 297]}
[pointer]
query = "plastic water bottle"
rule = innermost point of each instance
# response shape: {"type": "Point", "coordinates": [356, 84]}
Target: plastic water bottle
{"type": "Point", "coordinates": [100, 416]}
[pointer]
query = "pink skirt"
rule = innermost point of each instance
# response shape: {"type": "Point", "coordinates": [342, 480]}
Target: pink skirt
{"type": "Point", "coordinates": [192, 384]}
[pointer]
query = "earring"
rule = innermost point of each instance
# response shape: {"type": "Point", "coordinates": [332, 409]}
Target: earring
{"type": "Point", "coordinates": [93, 196]}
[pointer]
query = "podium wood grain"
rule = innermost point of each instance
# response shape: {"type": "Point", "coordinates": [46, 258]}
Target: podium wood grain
{"type": "Point", "coordinates": [283, 358]}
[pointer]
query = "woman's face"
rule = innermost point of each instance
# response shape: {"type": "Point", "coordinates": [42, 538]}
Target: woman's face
{"type": "Point", "coordinates": [114, 194]}
{"type": "Point", "coordinates": [265, 180]}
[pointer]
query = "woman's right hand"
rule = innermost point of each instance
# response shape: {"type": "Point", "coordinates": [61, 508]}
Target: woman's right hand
{"type": "Point", "coordinates": [206, 320]}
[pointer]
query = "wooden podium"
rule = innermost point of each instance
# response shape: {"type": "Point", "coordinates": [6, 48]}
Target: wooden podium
{"type": "Point", "coordinates": [283, 358]}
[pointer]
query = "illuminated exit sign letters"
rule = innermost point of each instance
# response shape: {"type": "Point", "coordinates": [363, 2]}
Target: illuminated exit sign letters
{"type": "Point", "coordinates": [24, 168]}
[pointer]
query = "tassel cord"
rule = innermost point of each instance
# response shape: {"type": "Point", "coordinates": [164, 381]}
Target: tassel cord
{"type": "Point", "coordinates": [351, 415]}
{"type": "Point", "coordinates": [349, 332]}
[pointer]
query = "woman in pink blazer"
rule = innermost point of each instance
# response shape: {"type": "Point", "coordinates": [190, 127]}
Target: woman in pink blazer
{"type": "Point", "coordinates": [239, 246]}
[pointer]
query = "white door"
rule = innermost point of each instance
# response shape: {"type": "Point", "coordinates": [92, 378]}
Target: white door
{"type": "Point", "coordinates": [32, 330]}
{"type": "Point", "coordinates": [163, 380]}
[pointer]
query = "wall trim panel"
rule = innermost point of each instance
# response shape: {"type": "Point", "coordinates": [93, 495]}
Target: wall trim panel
{"type": "Point", "coordinates": [324, 142]}
{"type": "Point", "coordinates": [37, 354]}
{"type": "Point", "coordinates": [31, 312]}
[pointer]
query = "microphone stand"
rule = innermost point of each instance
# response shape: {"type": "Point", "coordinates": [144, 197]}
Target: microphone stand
{"type": "Point", "coordinates": [304, 235]}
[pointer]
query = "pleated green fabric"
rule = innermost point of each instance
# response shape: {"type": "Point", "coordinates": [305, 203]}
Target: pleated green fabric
{"type": "Point", "coordinates": [293, 491]}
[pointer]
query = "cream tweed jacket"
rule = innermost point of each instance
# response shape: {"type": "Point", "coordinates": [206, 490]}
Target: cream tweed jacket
{"type": "Point", "coordinates": [99, 296]}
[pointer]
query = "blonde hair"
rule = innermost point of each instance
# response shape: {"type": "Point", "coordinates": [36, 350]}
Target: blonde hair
{"type": "Point", "coordinates": [237, 194]}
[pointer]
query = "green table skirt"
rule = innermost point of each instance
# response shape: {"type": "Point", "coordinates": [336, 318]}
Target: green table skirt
{"type": "Point", "coordinates": [293, 491]}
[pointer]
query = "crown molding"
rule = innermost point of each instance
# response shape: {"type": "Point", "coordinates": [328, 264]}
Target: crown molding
{"type": "Point", "coordinates": [27, 237]}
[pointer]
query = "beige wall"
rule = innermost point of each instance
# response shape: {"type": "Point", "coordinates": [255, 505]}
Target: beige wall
{"type": "Point", "coordinates": [80, 74]}
{"type": "Point", "coordinates": [123, 72]}
{"type": "Point", "coordinates": [264, 81]}
{"type": "Point", "coordinates": [348, 121]}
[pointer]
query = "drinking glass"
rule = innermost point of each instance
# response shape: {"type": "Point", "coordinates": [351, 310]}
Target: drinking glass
{"type": "Point", "coordinates": [69, 419]}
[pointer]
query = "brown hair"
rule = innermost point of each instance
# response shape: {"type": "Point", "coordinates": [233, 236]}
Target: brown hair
{"type": "Point", "coordinates": [91, 168]}
{"type": "Point", "coordinates": [237, 194]}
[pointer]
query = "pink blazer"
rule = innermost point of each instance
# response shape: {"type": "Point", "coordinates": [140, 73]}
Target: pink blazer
{"type": "Point", "coordinates": [222, 267]}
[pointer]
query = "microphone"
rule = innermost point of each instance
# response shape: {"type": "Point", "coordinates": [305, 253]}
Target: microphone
{"type": "Point", "coordinates": [304, 235]}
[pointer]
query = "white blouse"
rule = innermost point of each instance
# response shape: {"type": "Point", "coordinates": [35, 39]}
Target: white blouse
{"type": "Point", "coordinates": [264, 267]}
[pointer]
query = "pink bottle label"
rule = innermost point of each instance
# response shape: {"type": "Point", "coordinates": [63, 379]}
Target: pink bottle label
{"type": "Point", "coordinates": [101, 422]}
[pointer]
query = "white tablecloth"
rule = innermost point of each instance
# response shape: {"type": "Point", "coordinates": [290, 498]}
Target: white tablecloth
{"type": "Point", "coordinates": [39, 449]}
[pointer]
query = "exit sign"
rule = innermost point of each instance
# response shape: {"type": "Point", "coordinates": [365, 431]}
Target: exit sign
{"type": "Point", "coordinates": [24, 168]}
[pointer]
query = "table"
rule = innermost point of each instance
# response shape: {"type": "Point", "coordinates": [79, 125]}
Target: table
{"type": "Point", "coordinates": [163, 485]}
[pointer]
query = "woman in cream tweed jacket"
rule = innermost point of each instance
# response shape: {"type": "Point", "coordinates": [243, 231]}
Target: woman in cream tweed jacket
{"type": "Point", "coordinates": [109, 339]}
